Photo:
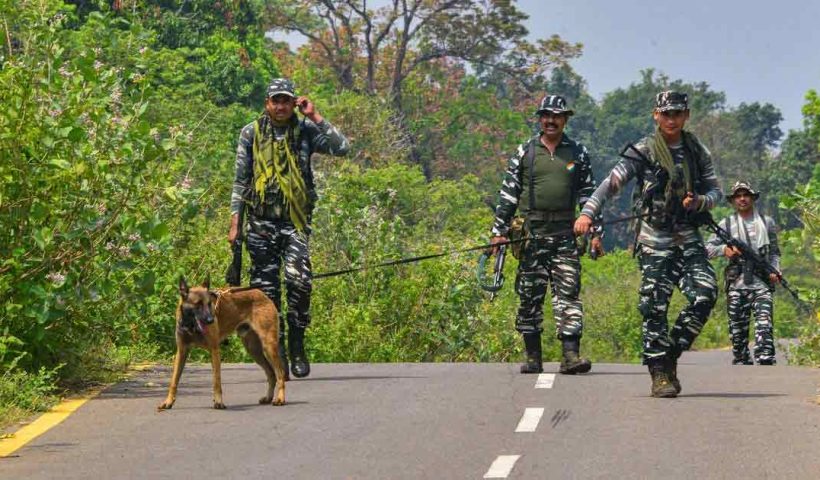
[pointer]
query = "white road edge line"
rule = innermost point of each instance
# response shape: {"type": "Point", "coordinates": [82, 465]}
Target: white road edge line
{"type": "Point", "coordinates": [502, 466]}
{"type": "Point", "coordinates": [529, 421]}
{"type": "Point", "coordinates": [545, 380]}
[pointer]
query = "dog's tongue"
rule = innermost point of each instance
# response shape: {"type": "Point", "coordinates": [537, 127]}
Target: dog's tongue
{"type": "Point", "coordinates": [201, 326]}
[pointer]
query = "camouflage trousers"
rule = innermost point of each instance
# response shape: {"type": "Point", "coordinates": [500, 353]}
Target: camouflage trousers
{"type": "Point", "coordinates": [740, 304]}
{"type": "Point", "coordinates": [661, 270]}
{"type": "Point", "coordinates": [550, 261]}
{"type": "Point", "coordinates": [272, 244]}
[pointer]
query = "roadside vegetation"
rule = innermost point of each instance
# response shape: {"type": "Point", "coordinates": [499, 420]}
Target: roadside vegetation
{"type": "Point", "coordinates": [117, 142]}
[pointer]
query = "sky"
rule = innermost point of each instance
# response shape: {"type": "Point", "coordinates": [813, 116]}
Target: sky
{"type": "Point", "coordinates": [751, 50]}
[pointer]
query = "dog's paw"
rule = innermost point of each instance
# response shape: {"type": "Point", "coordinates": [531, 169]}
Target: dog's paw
{"type": "Point", "coordinates": [278, 402]}
{"type": "Point", "coordinates": [219, 405]}
{"type": "Point", "coordinates": [265, 400]}
{"type": "Point", "coordinates": [165, 406]}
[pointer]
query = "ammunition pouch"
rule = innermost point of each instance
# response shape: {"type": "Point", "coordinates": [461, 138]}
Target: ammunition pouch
{"type": "Point", "coordinates": [518, 231]}
{"type": "Point", "coordinates": [663, 215]}
{"type": "Point", "coordinates": [731, 273]}
{"type": "Point", "coordinates": [746, 270]}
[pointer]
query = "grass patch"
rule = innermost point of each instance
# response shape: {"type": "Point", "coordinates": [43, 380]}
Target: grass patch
{"type": "Point", "coordinates": [23, 394]}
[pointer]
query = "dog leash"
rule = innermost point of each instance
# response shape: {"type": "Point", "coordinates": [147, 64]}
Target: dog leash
{"type": "Point", "coordinates": [485, 246]}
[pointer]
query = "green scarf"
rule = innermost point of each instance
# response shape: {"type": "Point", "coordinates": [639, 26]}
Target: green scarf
{"type": "Point", "coordinates": [275, 160]}
{"type": "Point", "coordinates": [660, 152]}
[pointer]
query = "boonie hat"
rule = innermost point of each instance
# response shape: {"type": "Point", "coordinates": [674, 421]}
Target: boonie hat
{"type": "Point", "coordinates": [742, 185]}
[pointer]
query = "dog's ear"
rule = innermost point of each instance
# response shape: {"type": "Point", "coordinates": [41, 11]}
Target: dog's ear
{"type": "Point", "coordinates": [183, 287]}
{"type": "Point", "coordinates": [214, 296]}
{"type": "Point", "coordinates": [207, 283]}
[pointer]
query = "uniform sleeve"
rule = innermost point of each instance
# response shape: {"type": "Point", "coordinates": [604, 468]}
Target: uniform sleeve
{"type": "Point", "coordinates": [774, 246]}
{"type": "Point", "coordinates": [244, 169]}
{"type": "Point", "coordinates": [709, 179]}
{"type": "Point", "coordinates": [509, 194]}
{"type": "Point", "coordinates": [715, 246]}
{"type": "Point", "coordinates": [587, 188]}
{"type": "Point", "coordinates": [620, 175]}
{"type": "Point", "coordinates": [327, 139]}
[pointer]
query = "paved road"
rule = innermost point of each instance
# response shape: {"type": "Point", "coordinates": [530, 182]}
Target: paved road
{"type": "Point", "coordinates": [444, 421]}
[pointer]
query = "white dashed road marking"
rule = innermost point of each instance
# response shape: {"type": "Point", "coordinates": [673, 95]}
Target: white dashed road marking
{"type": "Point", "coordinates": [529, 421]}
{"type": "Point", "coordinates": [545, 380]}
{"type": "Point", "coordinates": [502, 466]}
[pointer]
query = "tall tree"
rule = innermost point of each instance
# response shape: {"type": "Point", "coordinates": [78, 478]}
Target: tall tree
{"type": "Point", "coordinates": [376, 50]}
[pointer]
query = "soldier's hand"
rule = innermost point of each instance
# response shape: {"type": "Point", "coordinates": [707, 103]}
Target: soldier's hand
{"type": "Point", "coordinates": [234, 230]}
{"type": "Point", "coordinates": [730, 252]}
{"type": "Point", "coordinates": [308, 109]}
{"type": "Point", "coordinates": [495, 241]}
{"type": "Point", "coordinates": [595, 245]}
{"type": "Point", "coordinates": [582, 225]}
{"type": "Point", "coordinates": [692, 201]}
{"type": "Point", "coordinates": [774, 278]}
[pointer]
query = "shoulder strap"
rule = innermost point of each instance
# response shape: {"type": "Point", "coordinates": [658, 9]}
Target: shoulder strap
{"type": "Point", "coordinates": [531, 163]}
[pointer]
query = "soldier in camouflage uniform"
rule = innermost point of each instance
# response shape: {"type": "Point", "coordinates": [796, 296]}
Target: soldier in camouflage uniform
{"type": "Point", "coordinates": [676, 183]}
{"type": "Point", "coordinates": [274, 182]}
{"type": "Point", "coordinates": [748, 291]}
{"type": "Point", "coordinates": [545, 179]}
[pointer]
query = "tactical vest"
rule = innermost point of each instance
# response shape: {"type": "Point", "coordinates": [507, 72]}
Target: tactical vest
{"type": "Point", "coordinates": [665, 212]}
{"type": "Point", "coordinates": [550, 185]}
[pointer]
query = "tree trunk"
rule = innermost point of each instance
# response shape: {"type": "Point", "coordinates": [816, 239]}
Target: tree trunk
{"type": "Point", "coordinates": [399, 120]}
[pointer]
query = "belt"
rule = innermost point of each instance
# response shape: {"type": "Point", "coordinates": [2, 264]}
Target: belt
{"type": "Point", "coordinates": [550, 216]}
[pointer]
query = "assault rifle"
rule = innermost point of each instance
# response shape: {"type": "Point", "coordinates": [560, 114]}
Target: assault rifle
{"type": "Point", "coordinates": [233, 276]}
{"type": "Point", "coordinates": [759, 264]}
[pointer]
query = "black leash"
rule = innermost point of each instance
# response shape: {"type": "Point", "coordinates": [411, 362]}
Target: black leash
{"type": "Point", "coordinates": [486, 246]}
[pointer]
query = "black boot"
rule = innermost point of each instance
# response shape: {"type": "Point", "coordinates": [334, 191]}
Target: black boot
{"type": "Point", "coordinates": [661, 385]}
{"type": "Point", "coordinates": [532, 344]}
{"type": "Point", "coordinates": [300, 368]}
{"type": "Point", "coordinates": [572, 362]}
{"type": "Point", "coordinates": [284, 356]}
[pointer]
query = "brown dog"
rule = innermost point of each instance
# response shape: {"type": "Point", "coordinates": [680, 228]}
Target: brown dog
{"type": "Point", "coordinates": [205, 318]}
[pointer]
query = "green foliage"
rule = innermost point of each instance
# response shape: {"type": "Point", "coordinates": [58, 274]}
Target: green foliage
{"type": "Point", "coordinates": [117, 158]}
{"type": "Point", "coordinates": [105, 178]}
{"type": "Point", "coordinates": [806, 202]}
{"type": "Point", "coordinates": [23, 393]}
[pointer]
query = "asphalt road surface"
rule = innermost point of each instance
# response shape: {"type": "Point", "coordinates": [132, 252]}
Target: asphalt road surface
{"type": "Point", "coordinates": [443, 421]}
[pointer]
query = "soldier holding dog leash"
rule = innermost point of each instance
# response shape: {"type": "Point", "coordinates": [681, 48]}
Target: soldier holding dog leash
{"type": "Point", "coordinates": [547, 177]}
{"type": "Point", "coordinates": [274, 182]}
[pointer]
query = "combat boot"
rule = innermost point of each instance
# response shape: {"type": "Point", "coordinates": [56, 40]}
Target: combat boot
{"type": "Point", "coordinates": [572, 362]}
{"type": "Point", "coordinates": [532, 344]}
{"type": "Point", "coordinates": [742, 361]}
{"type": "Point", "coordinates": [672, 368]}
{"type": "Point", "coordinates": [661, 386]}
{"type": "Point", "coordinates": [283, 354]}
{"type": "Point", "coordinates": [300, 368]}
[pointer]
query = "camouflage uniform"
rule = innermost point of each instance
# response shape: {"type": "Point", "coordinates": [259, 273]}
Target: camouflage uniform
{"type": "Point", "coordinates": [747, 293]}
{"type": "Point", "coordinates": [671, 252]}
{"type": "Point", "coordinates": [272, 238]}
{"type": "Point", "coordinates": [551, 259]}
